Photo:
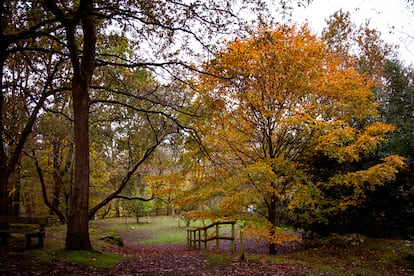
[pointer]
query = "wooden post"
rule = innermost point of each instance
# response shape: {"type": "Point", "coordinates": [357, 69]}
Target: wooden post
{"type": "Point", "coordinates": [194, 238]}
{"type": "Point", "coordinates": [217, 235]}
{"type": "Point", "coordinates": [205, 238]}
{"type": "Point", "coordinates": [233, 238]}
{"type": "Point", "coordinates": [242, 257]}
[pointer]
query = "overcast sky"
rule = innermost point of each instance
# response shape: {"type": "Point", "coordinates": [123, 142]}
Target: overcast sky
{"type": "Point", "coordinates": [393, 18]}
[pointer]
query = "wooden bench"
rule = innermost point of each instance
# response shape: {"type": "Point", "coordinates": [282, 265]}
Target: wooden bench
{"type": "Point", "coordinates": [12, 224]}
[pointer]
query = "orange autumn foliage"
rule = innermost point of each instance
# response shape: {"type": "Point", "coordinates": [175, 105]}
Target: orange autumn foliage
{"type": "Point", "coordinates": [273, 101]}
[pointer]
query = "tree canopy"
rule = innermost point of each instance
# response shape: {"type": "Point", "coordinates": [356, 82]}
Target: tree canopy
{"type": "Point", "coordinates": [282, 102]}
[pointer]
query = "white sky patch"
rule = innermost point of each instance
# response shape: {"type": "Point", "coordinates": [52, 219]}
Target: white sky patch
{"type": "Point", "coordinates": [393, 18]}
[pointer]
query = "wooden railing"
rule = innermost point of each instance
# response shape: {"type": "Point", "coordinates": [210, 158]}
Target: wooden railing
{"type": "Point", "coordinates": [198, 235]}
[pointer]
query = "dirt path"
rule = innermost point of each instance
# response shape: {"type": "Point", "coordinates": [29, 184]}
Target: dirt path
{"type": "Point", "coordinates": [181, 260]}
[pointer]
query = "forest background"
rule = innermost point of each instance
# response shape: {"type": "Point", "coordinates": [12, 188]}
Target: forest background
{"type": "Point", "coordinates": [163, 107]}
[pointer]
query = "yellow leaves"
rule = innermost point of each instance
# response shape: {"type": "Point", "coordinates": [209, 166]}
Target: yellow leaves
{"type": "Point", "coordinates": [199, 215]}
{"type": "Point", "coordinates": [273, 60]}
{"type": "Point", "coordinates": [395, 161]}
{"type": "Point", "coordinates": [167, 185]}
{"type": "Point", "coordinates": [307, 197]}
{"type": "Point", "coordinates": [357, 182]}
{"type": "Point", "coordinates": [334, 139]}
{"type": "Point", "coordinates": [274, 235]}
{"type": "Point", "coordinates": [379, 129]}
{"type": "Point", "coordinates": [233, 202]}
{"type": "Point", "coordinates": [282, 236]}
{"type": "Point", "coordinates": [260, 172]}
{"type": "Point", "coordinates": [343, 190]}
{"type": "Point", "coordinates": [340, 141]}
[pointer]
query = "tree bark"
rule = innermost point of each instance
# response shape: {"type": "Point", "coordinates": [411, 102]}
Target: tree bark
{"type": "Point", "coordinates": [272, 220]}
{"type": "Point", "coordinates": [77, 236]}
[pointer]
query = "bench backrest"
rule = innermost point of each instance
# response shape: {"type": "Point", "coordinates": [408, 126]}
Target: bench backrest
{"type": "Point", "coordinates": [41, 221]}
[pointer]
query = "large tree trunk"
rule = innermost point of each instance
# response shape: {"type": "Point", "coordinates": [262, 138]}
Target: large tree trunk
{"type": "Point", "coordinates": [77, 236]}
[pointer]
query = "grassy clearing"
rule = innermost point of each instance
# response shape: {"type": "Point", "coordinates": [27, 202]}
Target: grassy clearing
{"type": "Point", "coordinates": [338, 255]}
{"type": "Point", "coordinates": [159, 230]}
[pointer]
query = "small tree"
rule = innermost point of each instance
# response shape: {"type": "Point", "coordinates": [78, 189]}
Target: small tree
{"type": "Point", "coordinates": [141, 208]}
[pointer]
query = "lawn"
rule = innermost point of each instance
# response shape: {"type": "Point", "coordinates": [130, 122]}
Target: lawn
{"type": "Point", "coordinates": [150, 246]}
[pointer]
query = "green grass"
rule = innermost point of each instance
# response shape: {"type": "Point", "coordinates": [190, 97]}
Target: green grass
{"type": "Point", "coordinates": [169, 236]}
{"type": "Point", "coordinates": [160, 230]}
{"type": "Point", "coordinates": [54, 253]}
{"type": "Point", "coordinates": [219, 259]}
{"type": "Point", "coordinates": [99, 260]}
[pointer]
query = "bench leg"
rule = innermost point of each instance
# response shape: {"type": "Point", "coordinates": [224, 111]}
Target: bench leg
{"type": "Point", "coordinates": [28, 241]}
{"type": "Point", "coordinates": [41, 237]}
{"type": "Point", "coordinates": [29, 236]}
{"type": "Point", "coordinates": [4, 236]}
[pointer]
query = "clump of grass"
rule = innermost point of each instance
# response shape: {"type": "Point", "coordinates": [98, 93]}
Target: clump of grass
{"type": "Point", "coordinates": [99, 260]}
{"type": "Point", "coordinates": [219, 259]}
{"type": "Point", "coordinates": [112, 238]}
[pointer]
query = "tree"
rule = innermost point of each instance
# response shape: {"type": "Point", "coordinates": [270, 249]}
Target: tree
{"type": "Point", "coordinates": [388, 206]}
{"type": "Point", "coordinates": [283, 99]}
{"type": "Point", "coordinates": [54, 143]}
{"type": "Point", "coordinates": [397, 108]}
{"type": "Point", "coordinates": [83, 62]}
{"type": "Point", "coordinates": [23, 29]}
{"type": "Point", "coordinates": [362, 46]}
{"type": "Point", "coordinates": [156, 29]}
{"type": "Point", "coordinates": [395, 201]}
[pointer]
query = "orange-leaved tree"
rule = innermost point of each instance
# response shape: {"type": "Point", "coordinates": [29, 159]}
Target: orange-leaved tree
{"type": "Point", "coordinates": [272, 103]}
